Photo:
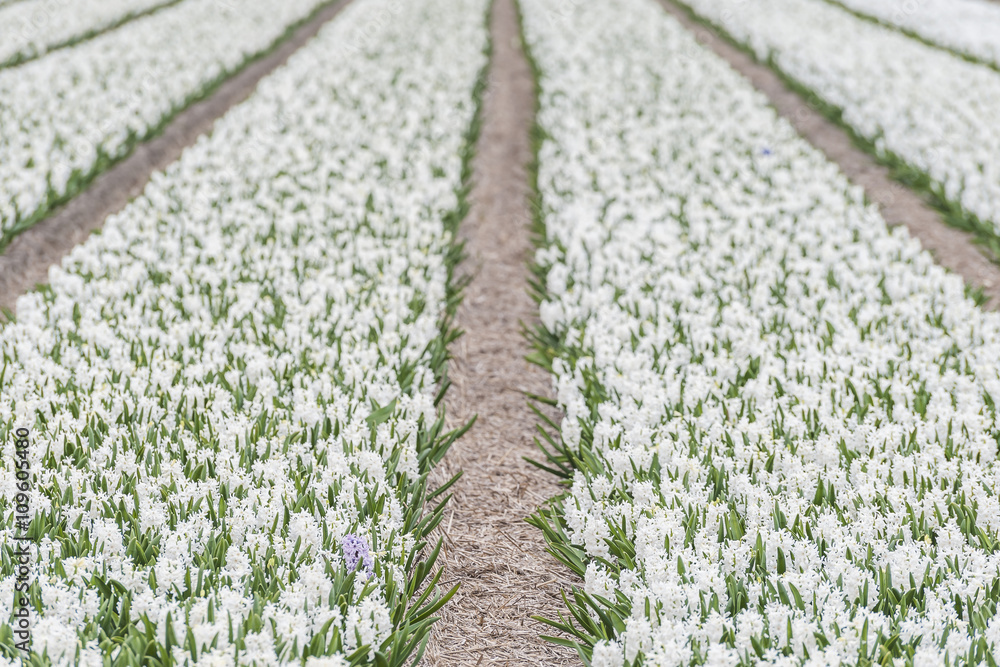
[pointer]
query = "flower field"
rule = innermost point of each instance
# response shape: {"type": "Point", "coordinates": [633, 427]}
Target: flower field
{"type": "Point", "coordinates": [780, 419]}
{"type": "Point", "coordinates": [926, 111]}
{"type": "Point", "coordinates": [237, 381]}
{"type": "Point", "coordinates": [968, 27]}
{"type": "Point", "coordinates": [773, 417]}
{"type": "Point", "coordinates": [66, 117]}
{"type": "Point", "coordinates": [30, 29]}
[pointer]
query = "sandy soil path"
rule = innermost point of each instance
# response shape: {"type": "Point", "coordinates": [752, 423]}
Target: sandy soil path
{"type": "Point", "coordinates": [951, 247]}
{"type": "Point", "coordinates": [505, 574]}
{"type": "Point", "coordinates": [26, 261]}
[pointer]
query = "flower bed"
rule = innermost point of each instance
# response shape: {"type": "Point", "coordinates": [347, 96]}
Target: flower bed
{"type": "Point", "coordinates": [31, 29]}
{"type": "Point", "coordinates": [969, 27]}
{"type": "Point", "coordinates": [232, 391]}
{"type": "Point", "coordinates": [67, 116]}
{"type": "Point", "coordinates": [924, 111]}
{"type": "Point", "coordinates": [780, 419]}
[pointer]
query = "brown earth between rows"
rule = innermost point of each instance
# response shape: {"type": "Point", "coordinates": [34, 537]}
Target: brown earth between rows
{"type": "Point", "coordinates": [506, 576]}
{"type": "Point", "coordinates": [26, 261]}
{"type": "Point", "coordinates": [952, 248]}
{"type": "Point", "coordinates": [499, 561]}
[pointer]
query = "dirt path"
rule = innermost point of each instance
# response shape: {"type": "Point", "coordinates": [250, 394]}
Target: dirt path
{"type": "Point", "coordinates": [505, 574]}
{"type": "Point", "coordinates": [26, 261]}
{"type": "Point", "coordinates": [951, 247]}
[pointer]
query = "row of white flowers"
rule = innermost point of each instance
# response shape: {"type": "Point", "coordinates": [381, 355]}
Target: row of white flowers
{"type": "Point", "coordinates": [230, 391]}
{"type": "Point", "coordinates": [970, 27]}
{"type": "Point", "coordinates": [30, 29]}
{"type": "Point", "coordinates": [929, 108]}
{"type": "Point", "coordinates": [780, 417]}
{"type": "Point", "coordinates": [64, 117]}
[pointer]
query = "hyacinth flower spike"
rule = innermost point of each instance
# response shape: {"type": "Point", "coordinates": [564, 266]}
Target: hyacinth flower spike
{"type": "Point", "coordinates": [357, 551]}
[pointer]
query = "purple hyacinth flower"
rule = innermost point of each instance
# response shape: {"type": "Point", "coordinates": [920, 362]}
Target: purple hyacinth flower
{"type": "Point", "coordinates": [356, 551]}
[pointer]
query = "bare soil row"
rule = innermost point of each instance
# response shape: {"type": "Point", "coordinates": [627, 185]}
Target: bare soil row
{"type": "Point", "coordinates": [506, 576]}
{"type": "Point", "coordinates": [952, 248]}
{"type": "Point", "coordinates": [25, 262]}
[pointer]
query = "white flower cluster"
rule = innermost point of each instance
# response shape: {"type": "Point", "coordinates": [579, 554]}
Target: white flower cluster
{"type": "Point", "coordinates": [240, 370]}
{"type": "Point", "coordinates": [970, 27]}
{"type": "Point", "coordinates": [929, 108]}
{"type": "Point", "coordinates": [783, 416]}
{"type": "Point", "coordinates": [29, 29]}
{"type": "Point", "coordinates": [65, 116]}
